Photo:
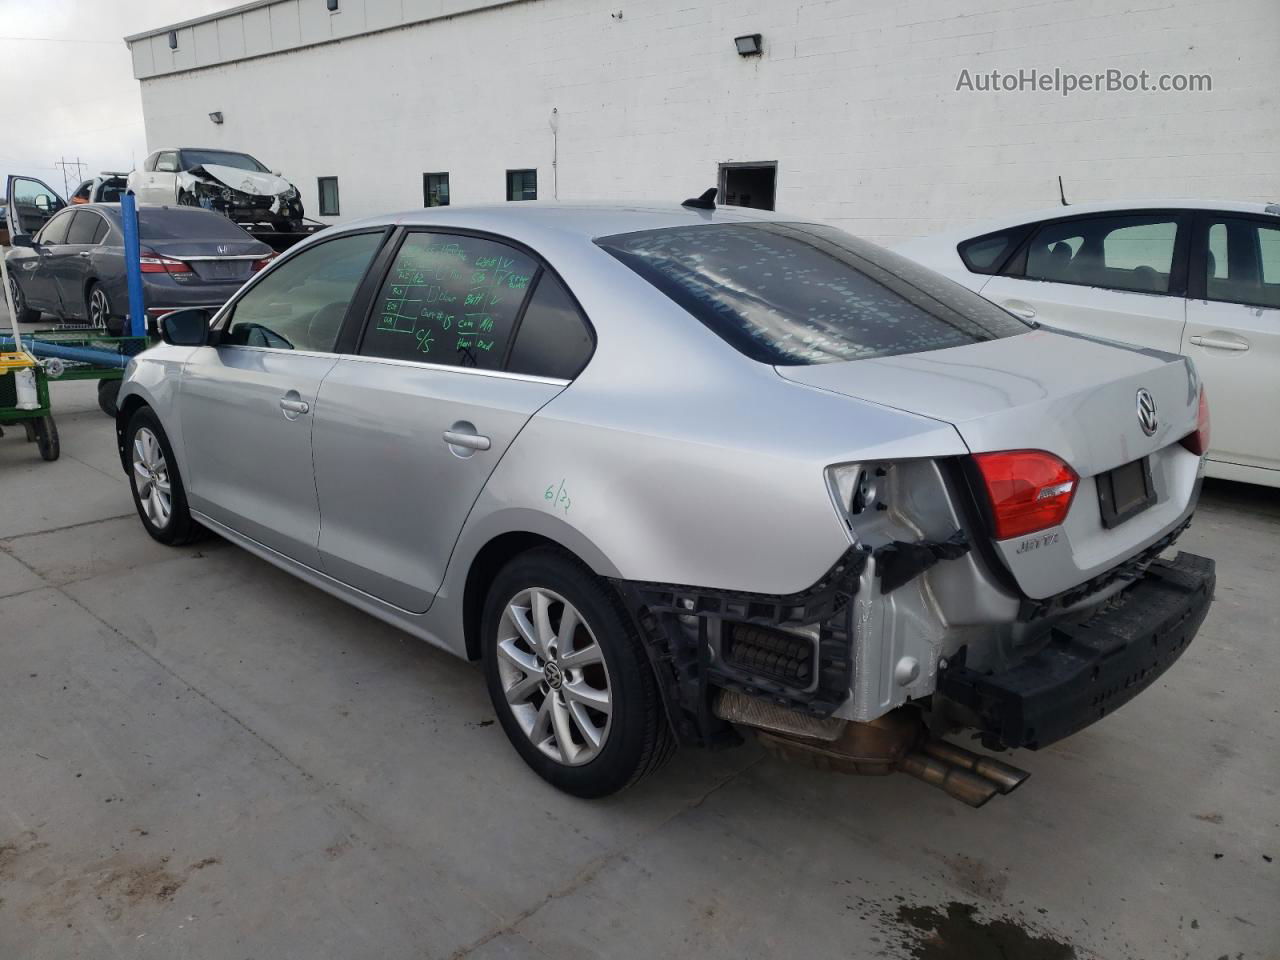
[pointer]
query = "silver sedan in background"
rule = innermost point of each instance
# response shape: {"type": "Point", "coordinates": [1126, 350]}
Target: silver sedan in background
{"type": "Point", "coordinates": [677, 474]}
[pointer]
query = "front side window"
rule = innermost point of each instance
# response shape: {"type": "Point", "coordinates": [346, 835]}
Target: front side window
{"type": "Point", "coordinates": [988, 253]}
{"type": "Point", "coordinates": [301, 303]}
{"type": "Point", "coordinates": [55, 231]}
{"type": "Point", "coordinates": [435, 189]}
{"type": "Point", "coordinates": [450, 300]}
{"type": "Point", "coordinates": [801, 293]}
{"type": "Point", "coordinates": [328, 187]}
{"type": "Point", "coordinates": [554, 339]}
{"type": "Point", "coordinates": [1132, 253]}
{"type": "Point", "coordinates": [522, 184]}
{"type": "Point", "coordinates": [1243, 263]}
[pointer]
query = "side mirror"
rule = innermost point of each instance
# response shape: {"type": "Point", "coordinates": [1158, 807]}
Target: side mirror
{"type": "Point", "coordinates": [23, 240]}
{"type": "Point", "coordinates": [43, 203]}
{"type": "Point", "coordinates": [186, 328]}
{"type": "Point", "coordinates": [276, 173]}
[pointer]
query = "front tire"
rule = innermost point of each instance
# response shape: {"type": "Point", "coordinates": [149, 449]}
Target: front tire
{"type": "Point", "coordinates": [157, 487]}
{"type": "Point", "coordinates": [568, 678]}
{"type": "Point", "coordinates": [20, 306]}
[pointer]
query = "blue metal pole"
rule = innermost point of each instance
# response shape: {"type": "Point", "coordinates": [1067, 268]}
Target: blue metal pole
{"type": "Point", "coordinates": [132, 267]}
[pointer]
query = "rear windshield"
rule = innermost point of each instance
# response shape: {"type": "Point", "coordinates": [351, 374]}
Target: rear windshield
{"type": "Point", "coordinates": [176, 223]}
{"type": "Point", "coordinates": [221, 158]}
{"type": "Point", "coordinates": [800, 293]}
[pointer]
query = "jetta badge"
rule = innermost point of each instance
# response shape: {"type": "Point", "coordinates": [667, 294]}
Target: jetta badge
{"type": "Point", "coordinates": [1147, 411]}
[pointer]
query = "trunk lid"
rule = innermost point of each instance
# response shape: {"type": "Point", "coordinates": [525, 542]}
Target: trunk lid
{"type": "Point", "coordinates": [1070, 395]}
{"type": "Point", "coordinates": [214, 260]}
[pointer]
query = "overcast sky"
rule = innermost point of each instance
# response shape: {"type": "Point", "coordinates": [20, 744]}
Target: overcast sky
{"type": "Point", "coordinates": [66, 82]}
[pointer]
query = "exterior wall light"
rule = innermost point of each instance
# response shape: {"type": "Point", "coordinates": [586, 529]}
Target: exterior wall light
{"type": "Point", "coordinates": [748, 46]}
{"type": "Point", "coordinates": [216, 116]}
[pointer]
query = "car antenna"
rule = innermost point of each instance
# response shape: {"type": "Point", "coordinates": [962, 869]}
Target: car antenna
{"type": "Point", "coordinates": [1062, 196]}
{"type": "Point", "coordinates": [705, 202]}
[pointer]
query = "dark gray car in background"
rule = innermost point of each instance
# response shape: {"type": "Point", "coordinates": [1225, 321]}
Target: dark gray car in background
{"type": "Point", "coordinates": [74, 266]}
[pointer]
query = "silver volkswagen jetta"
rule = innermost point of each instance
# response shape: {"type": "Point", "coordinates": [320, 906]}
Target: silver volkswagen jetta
{"type": "Point", "coordinates": [674, 474]}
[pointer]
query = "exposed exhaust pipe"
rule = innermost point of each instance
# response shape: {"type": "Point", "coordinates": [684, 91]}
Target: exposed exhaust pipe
{"type": "Point", "coordinates": [897, 741]}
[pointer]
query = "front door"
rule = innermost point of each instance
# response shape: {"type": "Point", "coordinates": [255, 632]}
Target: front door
{"type": "Point", "coordinates": [1233, 335]}
{"type": "Point", "coordinates": [1117, 276]}
{"type": "Point", "coordinates": [408, 432]}
{"type": "Point", "coordinates": [247, 404]}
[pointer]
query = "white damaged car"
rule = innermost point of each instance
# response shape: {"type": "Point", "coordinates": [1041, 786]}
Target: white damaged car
{"type": "Point", "coordinates": [234, 184]}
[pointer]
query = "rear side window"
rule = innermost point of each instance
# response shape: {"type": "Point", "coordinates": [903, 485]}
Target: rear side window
{"type": "Point", "coordinates": [799, 293]}
{"type": "Point", "coordinates": [1133, 253]}
{"type": "Point", "coordinates": [83, 227]}
{"type": "Point", "coordinates": [1243, 263]}
{"type": "Point", "coordinates": [300, 304]}
{"type": "Point", "coordinates": [99, 231]}
{"type": "Point", "coordinates": [451, 300]}
{"type": "Point", "coordinates": [988, 253]}
{"type": "Point", "coordinates": [554, 339]}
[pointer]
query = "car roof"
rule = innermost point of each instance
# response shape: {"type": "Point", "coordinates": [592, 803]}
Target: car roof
{"type": "Point", "coordinates": [527, 219]}
{"type": "Point", "coordinates": [1108, 206]}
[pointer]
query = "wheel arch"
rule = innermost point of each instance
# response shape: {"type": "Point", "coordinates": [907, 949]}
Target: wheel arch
{"type": "Point", "coordinates": [484, 567]}
{"type": "Point", "coordinates": [124, 413]}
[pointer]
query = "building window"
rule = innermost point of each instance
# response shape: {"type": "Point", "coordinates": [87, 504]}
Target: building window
{"type": "Point", "coordinates": [435, 189]}
{"type": "Point", "coordinates": [748, 184]}
{"type": "Point", "coordinates": [522, 184]}
{"type": "Point", "coordinates": [328, 196]}
{"type": "Point", "coordinates": [173, 39]}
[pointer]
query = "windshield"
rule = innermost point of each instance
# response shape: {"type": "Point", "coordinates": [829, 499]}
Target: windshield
{"type": "Point", "coordinates": [223, 158]}
{"type": "Point", "coordinates": [176, 223]}
{"type": "Point", "coordinates": [800, 293]}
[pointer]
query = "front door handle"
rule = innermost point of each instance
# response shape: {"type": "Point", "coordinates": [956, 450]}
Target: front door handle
{"type": "Point", "coordinates": [471, 441]}
{"type": "Point", "coordinates": [296, 407]}
{"type": "Point", "coordinates": [83, 253]}
{"type": "Point", "coordinates": [1023, 310]}
{"type": "Point", "coordinates": [1220, 344]}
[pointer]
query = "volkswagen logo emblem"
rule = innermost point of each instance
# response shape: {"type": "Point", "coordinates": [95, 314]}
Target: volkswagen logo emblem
{"type": "Point", "coordinates": [553, 675]}
{"type": "Point", "coordinates": [1147, 411]}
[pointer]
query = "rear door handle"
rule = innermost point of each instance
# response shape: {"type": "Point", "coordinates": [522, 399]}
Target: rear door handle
{"type": "Point", "coordinates": [83, 253]}
{"type": "Point", "coordinates": [1023, 310]}
{"type": "Point", "coordinates": [472, 441]}
{"type": "Point", "coordinates": [1220, 344]}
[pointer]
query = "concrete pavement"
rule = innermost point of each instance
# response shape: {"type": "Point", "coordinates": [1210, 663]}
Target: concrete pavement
{"type": "Point", "coordinates": [201, 757]}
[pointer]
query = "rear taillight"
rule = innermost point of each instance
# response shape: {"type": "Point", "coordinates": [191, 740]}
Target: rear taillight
{"type": "Point", "coordinates": [1029, 490]}
{"type": "Point", "coordinates": [1198, 440]}
{"type": "Point", "coordinates": [261, 264]}
{"type": "Point", "coordinates": [152, 262]}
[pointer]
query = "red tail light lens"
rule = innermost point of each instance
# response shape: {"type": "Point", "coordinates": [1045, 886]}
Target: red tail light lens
{"type": "Point", "coordinates": [152, 262]}
{"type": "Point", "coordinates": [1029, 490]}
{"type": "Point", "coordinates": [260, 264]}
{"type": "Point", "coordinates": [1198, 440]}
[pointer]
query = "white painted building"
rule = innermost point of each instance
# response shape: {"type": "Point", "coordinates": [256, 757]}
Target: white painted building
{"type": "Point", "coordinates": [852, 105]}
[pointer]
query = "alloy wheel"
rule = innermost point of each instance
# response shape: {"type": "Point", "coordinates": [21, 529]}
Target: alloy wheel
{"type": "Point", "coordinates": [554, 676]}
{"type": "Point", "coordinates": [99, 308]}
{"type": "Point", "coordinates": [151, 477]}
{"type": "Point", "coordinates": [19, 305]}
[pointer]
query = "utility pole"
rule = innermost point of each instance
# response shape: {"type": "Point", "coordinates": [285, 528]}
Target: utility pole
{"type": "Point", "coordinates": [64, 163]}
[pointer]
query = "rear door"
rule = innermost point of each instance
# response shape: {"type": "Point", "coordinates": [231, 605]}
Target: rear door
{"type": "Point", "coordinates": [1233, 334]}
{"type": "Point", "coordinates": [409, 428]}
{"type": "Point", "coordinates": [1121, 276]}
{"type": "Point", "coordinates": [248, 403]}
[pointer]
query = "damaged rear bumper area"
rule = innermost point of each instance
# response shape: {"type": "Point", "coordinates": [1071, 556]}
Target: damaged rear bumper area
{"type": "Point", "coordinates": [1086, 670]}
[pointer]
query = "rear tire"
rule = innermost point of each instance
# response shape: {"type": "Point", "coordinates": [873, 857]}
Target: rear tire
{"type": "Point", "coordinates": [589, 683]}
{"type": "Point", "coordinates": [97, 307]}
{"type": "Point", "coordinates": [158, 493]}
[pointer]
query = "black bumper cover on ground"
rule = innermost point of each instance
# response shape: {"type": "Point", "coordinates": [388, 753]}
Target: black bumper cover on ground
{"type": "Point", "coordinates": [1088, 670]}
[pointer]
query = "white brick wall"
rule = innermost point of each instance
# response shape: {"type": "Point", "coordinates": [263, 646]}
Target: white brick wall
{"type": "Point", "coordinates": [854, 99]}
